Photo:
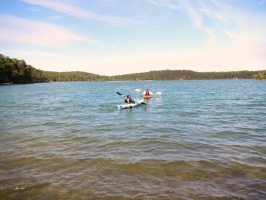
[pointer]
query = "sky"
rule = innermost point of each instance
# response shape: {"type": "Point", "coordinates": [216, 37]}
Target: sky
{"type": "Point", "coordinates": [114, 37]}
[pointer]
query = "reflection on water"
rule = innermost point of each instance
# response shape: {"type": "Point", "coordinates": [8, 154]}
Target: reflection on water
{"type": "Point", "coordinates": [158, 99]}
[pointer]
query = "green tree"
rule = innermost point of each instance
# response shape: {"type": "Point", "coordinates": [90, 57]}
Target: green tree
{"type": "Point", "coordinates": [260, 76]}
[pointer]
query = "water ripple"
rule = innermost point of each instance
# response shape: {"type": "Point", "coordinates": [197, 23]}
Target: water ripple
{"type": "Point", "coordinates": [199, 140]}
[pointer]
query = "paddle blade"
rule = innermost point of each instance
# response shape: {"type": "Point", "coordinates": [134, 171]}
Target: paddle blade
{"type": "Point", "coordinates": [119, 93]}
{"type": "Point", "coordinates": [143, 103]}
{"type": "Point", "coordinates": [138, 90]}
{"type": "Point", "coordinates": [159, 93]}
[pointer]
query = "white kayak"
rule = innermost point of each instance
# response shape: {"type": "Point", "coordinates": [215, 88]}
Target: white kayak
{"type": "Point", "coordinates": [132, 105]}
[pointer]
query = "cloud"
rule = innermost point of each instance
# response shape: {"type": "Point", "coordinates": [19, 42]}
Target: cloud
{"type": "Point", "coordinates": [68, 8]}
{"type": "Point", "coordinates": [31, 32]}
{"type": "Point", "coordinates": [220, 18]}
{"type": "Point", "coordinates": [56, 17]}
{"type": "Point", "coordinates": [165, 3]}
{"type": "Point", "coordinates": [237, 23]}
{"type": "Point", "coordinates": [191, 9]}
{"type": "Point", "coordinates": [246, 27]}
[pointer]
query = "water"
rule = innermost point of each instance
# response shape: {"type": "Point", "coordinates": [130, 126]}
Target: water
{"type": "Point", "coordinates": [198, 140]}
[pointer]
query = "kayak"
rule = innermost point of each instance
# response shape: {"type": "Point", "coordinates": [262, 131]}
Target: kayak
{"type": "Point", "coordinates": [147, 96]}
{"type": "Point", "coordinates": [131, 105]}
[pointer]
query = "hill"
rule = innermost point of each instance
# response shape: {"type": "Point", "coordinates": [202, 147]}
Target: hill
{"type": "Point", "coordinates": [185, 75]}
{"type": "Point", "coordinates": [18, 72]}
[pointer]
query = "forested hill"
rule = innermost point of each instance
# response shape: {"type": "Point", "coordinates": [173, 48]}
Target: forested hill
{"type": "Point", "coordinates": [185, 75]}
{"type": "Point", "coordinates": [18, 72]}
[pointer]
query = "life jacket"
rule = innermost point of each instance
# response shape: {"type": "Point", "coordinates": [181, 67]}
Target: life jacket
{"type": "Point", "coordinates": [147, 92]}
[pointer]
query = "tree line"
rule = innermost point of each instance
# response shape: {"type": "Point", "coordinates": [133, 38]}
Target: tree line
{"type": "Point", "coordinates": [185, 75]}
{"type": "Point", "coordinates": [260, 76]}
{"type": "Point", "coordinates": [18, 72]}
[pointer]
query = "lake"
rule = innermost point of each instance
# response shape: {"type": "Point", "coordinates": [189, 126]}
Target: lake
{"type": "Point", "coordinates": [197, 140]}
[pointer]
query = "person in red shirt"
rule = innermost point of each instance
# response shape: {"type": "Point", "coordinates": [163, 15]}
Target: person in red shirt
{"type": "Point", "coordinates": [147, 92]}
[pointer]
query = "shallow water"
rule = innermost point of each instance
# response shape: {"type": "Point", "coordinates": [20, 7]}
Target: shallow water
{"type": "Point", "coordinates": [198, 140]}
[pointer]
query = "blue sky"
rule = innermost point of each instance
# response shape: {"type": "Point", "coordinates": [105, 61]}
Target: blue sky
{"type": "Point", "coordinates": [111, 37]}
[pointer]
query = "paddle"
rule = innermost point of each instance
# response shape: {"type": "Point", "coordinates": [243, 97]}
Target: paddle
{"type": "Point", "coordinates": [159, 93]}
{"type": "Point", "coordinates": [142, 103]}
{"type": "Point", "coordinates": [119, 93]}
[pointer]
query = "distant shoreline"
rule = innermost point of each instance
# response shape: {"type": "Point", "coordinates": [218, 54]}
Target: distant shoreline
{"type": "Point", "coordinates": [23, 74]}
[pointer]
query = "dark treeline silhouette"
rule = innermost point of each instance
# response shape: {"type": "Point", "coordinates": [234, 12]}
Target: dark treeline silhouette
{"type": "Point", "coordinates": [17, 72]}
{"type": "Point", "coordinates": [185, 75]}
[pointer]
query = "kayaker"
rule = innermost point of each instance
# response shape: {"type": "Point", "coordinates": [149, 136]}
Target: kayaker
{"type": "Point", "coordinates": [147, 92]}
{"type": "Point", "coordinates": [129, 100]}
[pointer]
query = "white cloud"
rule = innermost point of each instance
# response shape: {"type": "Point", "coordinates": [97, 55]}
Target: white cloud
{"type": "Point", "coordinates": [192, 11]}
{"type": "Point", "coordinates": [31, 32]}
{"type": "Point", "coordinates": [238, 23]}
{"type": "Point", "coordinates": [246, 28]}
{"type": "Point", "coordinates": [223, 17]}
{"type": "Point", "coordinates": [69, 8]}
{"type": "Point", "coordinates": [56, 17]}
{"type": "Point", "coordinates": [165, 3]}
